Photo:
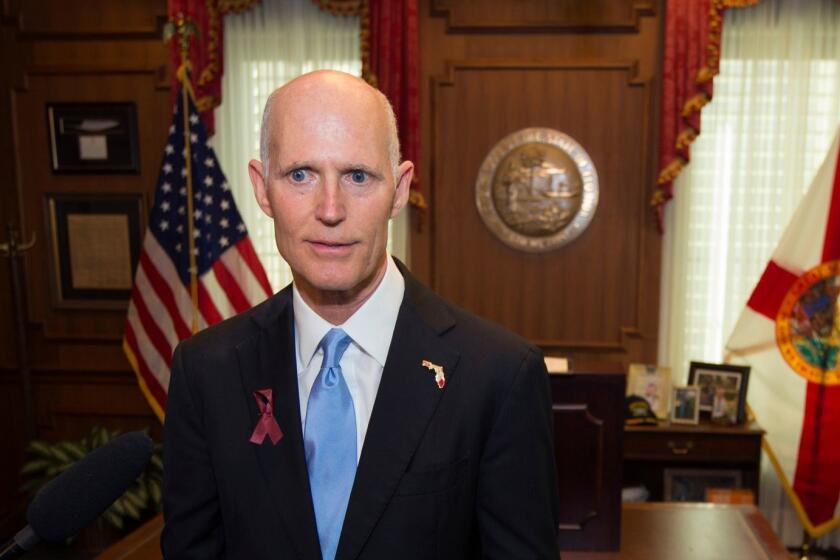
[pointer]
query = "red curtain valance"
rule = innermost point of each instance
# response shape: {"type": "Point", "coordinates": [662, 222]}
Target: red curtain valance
{"type": "Point", "coordinates": [690, 61]}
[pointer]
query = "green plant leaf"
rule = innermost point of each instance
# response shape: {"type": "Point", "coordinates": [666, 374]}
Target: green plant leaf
{"type": "Point", "coordinates": [100, 439]}
{"type": "Point", "coordinates": [34, 466]}
{"type": "Point", "coordinates": [156, 462]}
{"type": "Point", "coordinates": [59, 454]}
{"type": "Point", "coordinates": [118, 507]}
{"type": "Point", "coordinates": [136, 498]}
{"type": "Point", "coordinates": [114, 519]}
{"type": "Point", "coordinates": [155, 493]}
{"type": "Point", "coordinates": [39, 447]}
{"type": "Point", "coordinates": [143, 493]}
{"type": "Point", "coordinates": [131, 510]}
{"type": "Point", "coordinates": [73, 449]}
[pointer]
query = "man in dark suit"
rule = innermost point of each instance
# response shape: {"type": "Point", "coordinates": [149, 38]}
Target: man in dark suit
{"type": "Point", "coordinates": [354, 414]}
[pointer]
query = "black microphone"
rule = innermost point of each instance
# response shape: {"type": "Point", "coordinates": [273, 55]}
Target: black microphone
{"type": "Point", "coordinates": [73, 499]}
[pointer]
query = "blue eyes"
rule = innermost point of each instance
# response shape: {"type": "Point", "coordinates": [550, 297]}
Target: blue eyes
{"type": "Point", "coordinates": [357, 176]}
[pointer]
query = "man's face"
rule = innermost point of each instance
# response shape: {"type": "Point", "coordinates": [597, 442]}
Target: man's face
{"type": "Point", "coordinates": [331, 189]}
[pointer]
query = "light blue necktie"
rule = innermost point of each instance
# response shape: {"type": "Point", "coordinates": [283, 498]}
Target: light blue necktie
{"type": "Point", "coordinates": [330, 443]}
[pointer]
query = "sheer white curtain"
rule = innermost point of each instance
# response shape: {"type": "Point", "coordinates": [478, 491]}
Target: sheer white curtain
{"type": "Point", "coordinates": [775, 110]}
{"type": "Point", "coordinates": [265, 48]}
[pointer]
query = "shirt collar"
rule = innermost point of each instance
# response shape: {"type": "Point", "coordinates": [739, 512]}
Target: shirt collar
{"type": "Point", "coordinates": [371, 327]}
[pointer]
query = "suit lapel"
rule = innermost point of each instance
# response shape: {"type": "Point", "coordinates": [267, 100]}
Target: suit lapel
{"type": "Point", "coordinates": [405, 403]}
{"type": "Point", "coordinates": [268, 361]}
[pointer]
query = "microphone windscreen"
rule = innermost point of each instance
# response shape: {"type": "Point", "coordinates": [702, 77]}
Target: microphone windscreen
{"type": "Point", "coordinates": [80, 494]}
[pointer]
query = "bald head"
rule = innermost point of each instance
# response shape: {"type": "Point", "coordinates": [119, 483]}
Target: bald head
{"type": "Point", "coordinates": [328, 91]}
{"type": "Point", "coordinates": [330, 178]}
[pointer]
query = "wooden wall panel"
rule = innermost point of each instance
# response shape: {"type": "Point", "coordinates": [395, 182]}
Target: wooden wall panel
{"type": "Point", "coordinates": [589, 72]}
{"type": "Point", "coordinates": [110, 399]}
{"type": "Point", "coordinates": [89, 18]}
{"type": "Point", "coordinates": [570, 98]}
{"type": "Point", "coordinates": [58, 51]}
{"type": "Point", "coordinates": [81, 85]}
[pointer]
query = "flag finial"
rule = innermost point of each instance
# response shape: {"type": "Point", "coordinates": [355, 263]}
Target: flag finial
{"type": "Point", "coordinates": [183, 28]}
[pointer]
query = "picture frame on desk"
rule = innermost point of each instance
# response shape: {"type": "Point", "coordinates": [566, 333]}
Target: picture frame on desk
{"type": "Point", "coordinates": [652, 383]}
{"type": "Point", "coordinates": [723, 390]}
{"type": "Point", "coordinates": [685, 407]}
{"type": "Point", "coordinates": [690, 485]}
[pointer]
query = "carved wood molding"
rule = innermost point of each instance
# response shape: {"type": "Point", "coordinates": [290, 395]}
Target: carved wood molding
{"type": "Point", "coordinates": [152, 30]}
{"type": "Point", "coordinates": [159, 72]}
{"type": "Point", "coordinates": [629, 337]}
{"type": "Point", "coordinates": [58, 333]}
{"type": "Point", "coordinates": [110, 377]}
{"type": "Point", "coordinates": [452, 66]}
{"type": "Point", "coordinates": [457, 22]}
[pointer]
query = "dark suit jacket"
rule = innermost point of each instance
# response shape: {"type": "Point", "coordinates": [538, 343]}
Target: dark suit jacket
{"type": "Point", "coordinates": [466, 471]}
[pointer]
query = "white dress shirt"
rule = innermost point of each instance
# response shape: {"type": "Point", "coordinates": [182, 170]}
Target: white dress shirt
{"type": "Point", "coordinates": [371, 327]}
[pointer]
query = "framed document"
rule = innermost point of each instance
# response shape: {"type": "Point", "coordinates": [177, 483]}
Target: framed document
{"type": "Point", "coordinates": [95, 246]}
{"type": "Point", "coordinates": [93, 137]}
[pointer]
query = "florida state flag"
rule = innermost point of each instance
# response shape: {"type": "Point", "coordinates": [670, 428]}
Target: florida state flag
{"type": "Point", "coordinates": [790, 334]}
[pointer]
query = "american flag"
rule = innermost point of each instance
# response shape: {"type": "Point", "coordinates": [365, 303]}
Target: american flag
{"type": "Point", "coordinates": [230, 276]}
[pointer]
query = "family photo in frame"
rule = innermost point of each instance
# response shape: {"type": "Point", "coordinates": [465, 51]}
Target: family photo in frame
{"type": "Point", "coordinates": [686, 409]}
{"type": "Point", "coordinates": [722, 390]}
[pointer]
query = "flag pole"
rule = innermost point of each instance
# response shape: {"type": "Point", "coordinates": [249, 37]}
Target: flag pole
{"type": "Point", "coordinates": [185, 30]}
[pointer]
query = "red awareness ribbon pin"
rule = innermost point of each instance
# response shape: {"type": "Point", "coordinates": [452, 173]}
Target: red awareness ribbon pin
{"type": "Point", "coordinates": [267, 425]}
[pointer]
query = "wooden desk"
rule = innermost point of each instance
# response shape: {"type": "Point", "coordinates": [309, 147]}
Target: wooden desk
{"type": "Point", "coordinates": [648, 532]}
{"type": "Point", "coordinates": [142, 544]}
{"type": "Point", "coordinates": [588, 410]}
{"type": "Point", "coordinates": [649, 450]}
{"type": "Point", "coordinates": [669, 531]}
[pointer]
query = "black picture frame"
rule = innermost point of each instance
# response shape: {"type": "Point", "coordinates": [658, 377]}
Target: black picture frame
{"type": "Point", "coordinates": [105, 231]}
{"type": "Point", "coordinates": [697, 370]}
{"type": "Point", "coordinates": [93, 138]}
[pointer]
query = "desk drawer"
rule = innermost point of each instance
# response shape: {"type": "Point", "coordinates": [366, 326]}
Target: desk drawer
{"type": "Point", "coordinates": [691, 447]}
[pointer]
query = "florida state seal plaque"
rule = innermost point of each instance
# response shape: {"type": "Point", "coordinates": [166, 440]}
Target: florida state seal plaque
{"type": "Point", "coordinates": [537, 190]}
